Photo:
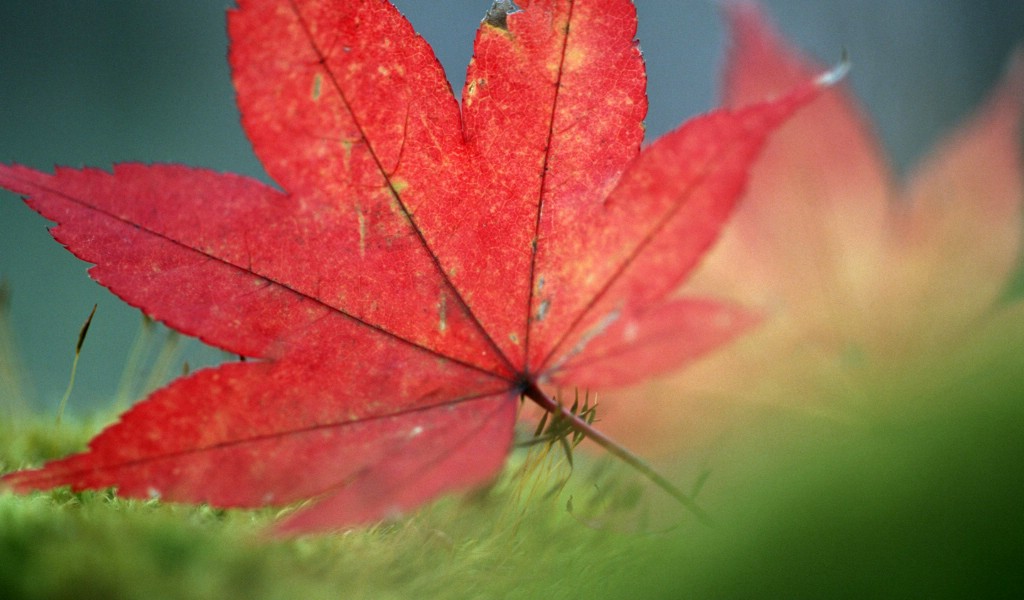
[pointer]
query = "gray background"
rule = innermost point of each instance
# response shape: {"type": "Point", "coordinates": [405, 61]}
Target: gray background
{"type": "Point", "coordinates": [92, 83]}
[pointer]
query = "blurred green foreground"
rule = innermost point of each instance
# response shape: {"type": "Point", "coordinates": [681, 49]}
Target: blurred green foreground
{"type": "Point", "coordinates": [918, 496]}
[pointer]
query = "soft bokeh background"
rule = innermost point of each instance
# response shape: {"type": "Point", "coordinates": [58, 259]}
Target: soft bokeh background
{"type": "Point", "coordinates": [92, 83]}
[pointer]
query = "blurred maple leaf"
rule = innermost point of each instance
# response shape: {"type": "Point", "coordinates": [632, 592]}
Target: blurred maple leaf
{"type": "Point", "coordinates": [861, 280]}
{"type": "Point", "coordinates": [424, 267]}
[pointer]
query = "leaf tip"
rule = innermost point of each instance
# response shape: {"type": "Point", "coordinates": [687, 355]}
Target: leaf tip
{"type": "Point", "coordinates": [837, 73]}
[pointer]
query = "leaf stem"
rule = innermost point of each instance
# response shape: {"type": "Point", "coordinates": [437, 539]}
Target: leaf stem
{"type": "Point", "coordinates": [534, 393]}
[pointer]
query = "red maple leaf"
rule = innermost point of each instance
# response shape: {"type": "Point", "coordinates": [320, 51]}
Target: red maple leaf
{"type": "Point", "coordinates": [421, 267]}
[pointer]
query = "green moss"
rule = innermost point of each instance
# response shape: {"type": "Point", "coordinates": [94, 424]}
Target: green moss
{"type": "Point", "coordinates": [920, 499]}
{"type": "Point", "coordinates": [516, 540]}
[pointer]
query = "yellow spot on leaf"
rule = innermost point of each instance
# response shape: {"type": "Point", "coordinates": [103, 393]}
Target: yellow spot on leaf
{"type": "Point", "coordinates": [361, 218]}
{"type": "Point", "coordinates": [442, 314]}
{"type": "Point", "coordinates": [574, 59]}
{"type": "Point", "coordinates": [318, 81]}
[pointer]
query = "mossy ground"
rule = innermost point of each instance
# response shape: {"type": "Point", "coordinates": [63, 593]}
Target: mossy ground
{"type": "Point", "coordinates": [922, 498]}
{"type": "Point", "coordinates": [514, 540]}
